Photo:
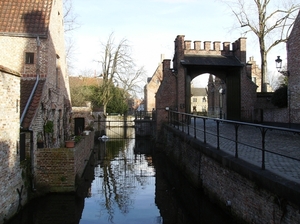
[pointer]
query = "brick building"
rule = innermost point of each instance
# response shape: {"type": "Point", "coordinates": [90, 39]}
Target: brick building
{"type": "Point", "coordinates": [199, 100]}
{"type": "Point", "coordinates": [32, 44]}
{"type": "Point", "coordinates": [83, 114]}
{"type": "Point", "coordinates": [151, 88]}
{"type": "Point", "coordinates": [293, 59]}
{"type": "Point", "coordinates": [226, 62]}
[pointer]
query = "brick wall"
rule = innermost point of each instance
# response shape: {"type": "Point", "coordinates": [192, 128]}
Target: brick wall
{"type": "Point", "coordinates": [293, 56]}
{"type": "Point", "coordinates": [166, 95]}
{"type": "Point", "coordinates": [152, 87]}
{"type": "Point", "coordinates": [255, 197]}
{"type": "Point", "coordinates": [56, 169]}
{"type": "Point", "coordinates": [10, 175]}
{"type": "Point", "coordinates": [248, 97]}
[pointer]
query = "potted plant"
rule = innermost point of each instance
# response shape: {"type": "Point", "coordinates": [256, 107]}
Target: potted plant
{"type": "Point", "coordinates": [40, 140]}
{"type": "Point", "coordinates": [70, 143]}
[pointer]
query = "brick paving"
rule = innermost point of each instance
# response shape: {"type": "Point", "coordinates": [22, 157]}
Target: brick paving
{"type": "Point", "coordinates": [250, 144]}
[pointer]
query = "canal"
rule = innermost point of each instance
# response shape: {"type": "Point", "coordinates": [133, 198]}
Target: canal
{"type": "Point", "coordinates": [126, 181]}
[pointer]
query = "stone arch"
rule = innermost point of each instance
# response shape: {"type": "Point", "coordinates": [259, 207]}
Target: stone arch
{"type": "Point", "coordinates": [229, 101]}
{"type": "Point", "coordinates": [199, 97]}
{"type": "Point", "coordinates": [225, 63]}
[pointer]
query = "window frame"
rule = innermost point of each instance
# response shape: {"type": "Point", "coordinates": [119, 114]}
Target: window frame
{"type": "Point", "coordinates": [29, 58]}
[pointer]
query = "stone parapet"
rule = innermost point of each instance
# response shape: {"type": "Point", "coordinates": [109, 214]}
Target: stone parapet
{"type": "Point", "coordinates": [249, 194]}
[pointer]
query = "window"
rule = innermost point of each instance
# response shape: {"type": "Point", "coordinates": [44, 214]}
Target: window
{"type": "Point", "coordinates": [203, 100]}
{"type": "Point", "coordinates": [194, 100]}
{"type": "Point", "coordinates": [29, 58]}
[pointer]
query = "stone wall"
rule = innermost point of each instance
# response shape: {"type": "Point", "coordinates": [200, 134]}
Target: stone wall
{"type": "Point", "coordinates": [56, 169]}
{"type": "Point", "coordinates": [248, 193]}
{"type": "Point", "coordinates": [265, 111]}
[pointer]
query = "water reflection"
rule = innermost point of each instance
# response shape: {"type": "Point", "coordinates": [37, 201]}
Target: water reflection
{"type": "Point", "coordinates": [179, 202]}
{"type": "Point", "coordinates": [126, 182]}
{"type": "Point", "coordinates": [124, 186]}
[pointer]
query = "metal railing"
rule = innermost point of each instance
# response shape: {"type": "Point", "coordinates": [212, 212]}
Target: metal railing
{"type": "Point", "coordinates": [252, 141]}
{"type": "Point", "coordinates": [144, 115]}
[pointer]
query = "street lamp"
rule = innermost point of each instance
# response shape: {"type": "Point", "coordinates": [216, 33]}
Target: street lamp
{"type": "Point", "coordinates": [222, 92]}
{"type": "Point", "coordinates": [279, 66]}
{"type": "Point", "coordinates": [287, 74]}
{"type": "Point", "coordinates": [278, 63]}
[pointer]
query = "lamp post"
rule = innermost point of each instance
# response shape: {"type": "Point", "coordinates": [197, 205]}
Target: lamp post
{"type": "Point", "coordinates": [222, 92]}
{"type": "Point", "coordinates": [287, 74]}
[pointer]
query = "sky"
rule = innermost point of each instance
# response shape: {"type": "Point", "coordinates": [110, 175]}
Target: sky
{"type": "Point", "coordinates": [151, 26]}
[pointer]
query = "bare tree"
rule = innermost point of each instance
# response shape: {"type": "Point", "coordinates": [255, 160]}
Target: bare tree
{"type": "Point", "coordinates": [70, 24]}
{"type": "Point", "coordinates": [270, 23]}
{"type": "Point", "coordinates": [132, 81]}
{"type": "Point", "coordinates": [70, 19]}
{"type": "Point", "coordinates": [115, 61]}
{"type": "Point", "coordinates": [118, 68]}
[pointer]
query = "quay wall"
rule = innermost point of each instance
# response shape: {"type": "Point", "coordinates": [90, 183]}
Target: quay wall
{"type": "Point", "coordinates": [250, 194]}
{"type": "Point", "coordinates": [57, 169]}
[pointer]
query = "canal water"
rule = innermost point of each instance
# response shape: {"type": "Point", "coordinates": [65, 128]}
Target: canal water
{"type": "Point", "coordinates": [126, 181]}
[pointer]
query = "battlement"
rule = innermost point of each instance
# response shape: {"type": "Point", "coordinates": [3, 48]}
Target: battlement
{"type": "Point", "coordinates": [237, 48]}
{"type": "Point", "coordinates": [209, 47]}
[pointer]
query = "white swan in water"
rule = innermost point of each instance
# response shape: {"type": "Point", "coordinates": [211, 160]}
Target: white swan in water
{"type": "Point", "coordinates": [103, 138]}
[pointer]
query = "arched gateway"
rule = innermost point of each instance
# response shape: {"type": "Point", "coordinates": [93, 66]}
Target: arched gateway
{"type": "Point", "coordinates": [227, 63]}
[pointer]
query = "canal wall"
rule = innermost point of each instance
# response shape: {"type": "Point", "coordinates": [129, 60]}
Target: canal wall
{"type": "Point", "coordinates": [250, 194]}
{"type": "Point", "coordinates": [58, 169]}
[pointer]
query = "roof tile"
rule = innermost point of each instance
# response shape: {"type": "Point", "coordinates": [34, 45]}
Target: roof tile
{"type": "Point", "coordinates": [25, 16]}
{"type": "Point", "coordinates": [26, 88]}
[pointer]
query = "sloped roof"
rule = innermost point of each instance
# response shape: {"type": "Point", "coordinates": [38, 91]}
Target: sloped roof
{"type": "Point", "coordinates": [75, 81]}
{"type": "Point", "coordinates": [9, 71]}
{"type": "Point", "coordinates": [25, 17]}
{"type": "Point", "coordinates": [26, 89]}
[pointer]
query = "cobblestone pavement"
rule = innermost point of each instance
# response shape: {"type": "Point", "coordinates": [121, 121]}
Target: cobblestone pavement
{"type": "Point", "coordinates": [278, 144]}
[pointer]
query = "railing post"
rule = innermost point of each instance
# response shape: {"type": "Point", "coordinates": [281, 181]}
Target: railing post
{"type": "Point", "coordinates": [204, 130]}
{"type": "Point", "coordinates": [173, 119]}
{"type": "Point", "coordinates": [195, 135]}
{"type": "Point", "coordinates": [236, 127]}
{"type": "Point", "coordinates": [263, 135]}
{"type": "Point", "coordinates": [178, 121]}
{"type": "Point", "coordinates": [188, 124]}
{"type": "Point", "coordinates": [182, 122]}
{"type": "Point", "coordinates": [218, 134]}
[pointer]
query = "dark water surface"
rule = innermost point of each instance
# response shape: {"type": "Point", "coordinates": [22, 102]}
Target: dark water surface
{"type": "Point", "coordinates": [125, 182]}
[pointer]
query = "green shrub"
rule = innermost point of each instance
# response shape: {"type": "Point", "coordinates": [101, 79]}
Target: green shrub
{"type": "Point", "coordinates": [49, 127]}
{"type": "Point", "coordinates": [279, 97]}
